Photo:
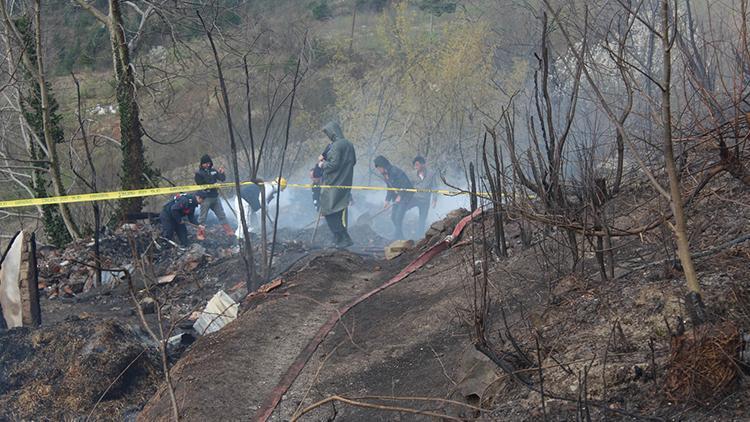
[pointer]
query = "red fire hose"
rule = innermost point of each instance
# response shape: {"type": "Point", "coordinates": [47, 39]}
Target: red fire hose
{"type": "Point", "coordinates": [273, 399]}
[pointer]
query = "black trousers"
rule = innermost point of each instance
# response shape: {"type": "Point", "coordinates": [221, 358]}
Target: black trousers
{"type": "Point", "coordinates": [399, 212]}
{"type": "Point", "coordinates": [424, 211]}
{"type": "Point", "coordinates": [337, 223]}
{"type": "Point", "coordinates": [170, 227]}
{"type": "Point", "coordinates": [397, 217]}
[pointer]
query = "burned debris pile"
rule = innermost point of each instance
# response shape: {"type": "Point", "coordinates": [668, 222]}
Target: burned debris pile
{"type": "Point", "coordinates": [76, 368]}
{"type": "Point", "coordinates": [70, 271]}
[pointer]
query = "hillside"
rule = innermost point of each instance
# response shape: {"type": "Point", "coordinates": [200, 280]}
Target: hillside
{"type": "Point", "coordinates": [516, 210]}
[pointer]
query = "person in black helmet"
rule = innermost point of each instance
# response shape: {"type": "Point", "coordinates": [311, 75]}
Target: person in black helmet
{"type": "Point", "coordinates": [207, 175]}
{"type": "Point", "coordinates": [182, 205]}
{"type": "Point", "coordinates": [399, 201]}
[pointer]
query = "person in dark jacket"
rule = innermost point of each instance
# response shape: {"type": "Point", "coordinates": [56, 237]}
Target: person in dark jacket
{"type": "Point", "coordinates": [207, 175]}
{"type": "Point", "coordinates": [251, 192]}
{"type": "Point", "coordinates": [251, 196]}
{"type": "Point", "coordinates": [399, 201]}
{"type": "Point", "coordinates": [182, 205]}
{"type": "Point", "coordinates": [338, 170]}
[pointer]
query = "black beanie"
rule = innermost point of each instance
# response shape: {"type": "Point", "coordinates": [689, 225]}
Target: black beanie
{"type": "Point", "coordinates": [382, 162]}
{"type": "Point", "coordinates": [206, 159]}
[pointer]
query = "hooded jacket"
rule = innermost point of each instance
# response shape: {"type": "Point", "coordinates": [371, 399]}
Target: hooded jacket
{"type": "Point", "coordinates": [338, 170]}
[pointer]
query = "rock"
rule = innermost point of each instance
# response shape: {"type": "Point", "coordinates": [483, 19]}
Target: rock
{"type": "Point", "coordinates": [458, 213]}
{"type": "Point", "coordinates": [77, 283]}
{"type": "Point", "coordinates": [477, 375]}
{"type": "Point", "coordinates": [190, 260]}
{"type": "Point", "coordinates": [445, 226]}
{"type": "Point", "coordinates": [438, 226]}
{"type": "Point", "coordinates": [148, 305]}
{"type": "Point", "coordinates": [398, 247]}
{"type": "Point", "coordinates": [166, 278]}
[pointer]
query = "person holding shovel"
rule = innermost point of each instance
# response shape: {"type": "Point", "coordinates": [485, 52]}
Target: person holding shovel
{"type": "Point", "coordinates": [338, 170]}
{"type": "Point", "coordinates": [207, 175]}
{"type": "Point", "coordinates": [399, 201]}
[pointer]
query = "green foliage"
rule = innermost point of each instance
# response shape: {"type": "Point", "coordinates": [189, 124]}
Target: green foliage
{"type": "Point", "coordinates": [290, 65]}
{"type": "Point", "coordinates": [320, 10]}
{"type": "Point", "coordinates": [374, 5]}
{"type": "Point", "coordinates": [437, 7]}
{"type": "Point", "coordinates": [31, 103]}
{"type": "Point", "coordinates": [83, 42]}
{"type": "Point", "coordinates": [415, 85]}
{"type": "Point", "coordinates": [229, 19]}
{"type": "Point", "coordinates": [54, 226]}
{"type": "Point", "coordinates": [320, 52]}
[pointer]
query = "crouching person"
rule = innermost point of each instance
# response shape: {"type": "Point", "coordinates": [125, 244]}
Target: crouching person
{"type": "Point", "coordinates": [251, 198]}
{"type": "Point", "coordinates": [182, 205]}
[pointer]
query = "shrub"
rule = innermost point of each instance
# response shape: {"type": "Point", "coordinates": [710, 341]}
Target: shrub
{"type": "Point", "coordinates": [321, 10]}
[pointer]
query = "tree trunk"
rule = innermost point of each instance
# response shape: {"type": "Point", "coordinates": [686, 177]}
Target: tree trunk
{"type": "Point", "coordinates": [92, 186]}
{"type": "Point", "coordinates": [57, 183]}
{"type": "Point", "coordinates": [600, 257]}
{"type": "Point", "coordinates": [31, 112]}
{"type": "Point", "coordinates": [680, 227]}
{"type": "Point", "coordinates": [499, 169]}
{"type": "Point", "coordinates": [610, 253]}
{"type": "Point", "coordinates": [473, 187]}
{"type": "Point", "coordinates": [354, 20]}
{"type": "Point", "coordinates": [281, 169]}
{"type": "Point", "coordinates": [134, 164]}
{"type": "Point", "coordinates": [247, 250]}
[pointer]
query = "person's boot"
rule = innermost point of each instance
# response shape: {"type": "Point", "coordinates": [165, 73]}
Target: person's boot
{"type": "Point", "coordinates": [201, 235]}
{"type": "Point", "coordinates": [336, 239]}
{"type": "Point", "coordinates": [346, 241]}
{"type": "Point", "coordinates": [228, 230]}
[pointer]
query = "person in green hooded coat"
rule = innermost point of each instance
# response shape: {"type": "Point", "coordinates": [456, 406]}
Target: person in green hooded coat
{"type": "Point", "coordinates": [338, 170]}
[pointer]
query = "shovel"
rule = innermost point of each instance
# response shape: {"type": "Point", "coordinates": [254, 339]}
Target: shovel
{"type": "Point", "coordinates": [366, 218]}
{"type": "Point", "coordinates": [315, 231]}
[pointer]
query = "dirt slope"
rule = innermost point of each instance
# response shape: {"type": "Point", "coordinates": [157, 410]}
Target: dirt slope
{"type": "Point", "coordinates": [605, 347]}
{"type": "Point", "coordinates": [412, 339]}
{"type": "Point", "coordinates": [226, 375]}
{"type": "Point", "coordinates": [407, 341]}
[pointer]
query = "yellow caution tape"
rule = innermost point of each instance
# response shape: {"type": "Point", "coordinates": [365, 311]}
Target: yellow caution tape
{"type": "Point", "coordinates": [136, 193]}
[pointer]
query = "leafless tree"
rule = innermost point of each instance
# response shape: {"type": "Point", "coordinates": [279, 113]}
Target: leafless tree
{"type": "Point", "coordinates": [36, 66]}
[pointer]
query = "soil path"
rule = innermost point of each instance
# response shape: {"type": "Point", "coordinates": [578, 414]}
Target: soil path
{"type": "Point", "coordinates": [406, 341]}
{"type": "Point", "coordinates": [228, 374]}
